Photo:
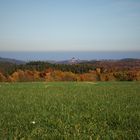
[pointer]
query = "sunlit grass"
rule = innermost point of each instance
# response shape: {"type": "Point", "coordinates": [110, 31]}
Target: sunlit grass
{"type": "Point", "coordinates": [70, 110]}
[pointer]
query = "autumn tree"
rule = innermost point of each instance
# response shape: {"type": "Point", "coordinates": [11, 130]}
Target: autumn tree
{"type": "Point", "coordinates": [2, 77]}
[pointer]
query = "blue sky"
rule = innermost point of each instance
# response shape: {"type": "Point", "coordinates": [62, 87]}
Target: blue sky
{"type": "Point", "coordinates": [75, 25]}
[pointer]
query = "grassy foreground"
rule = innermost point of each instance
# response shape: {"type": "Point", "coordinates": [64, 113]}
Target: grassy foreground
{"type": "Point", "coordinates": [70, 110]}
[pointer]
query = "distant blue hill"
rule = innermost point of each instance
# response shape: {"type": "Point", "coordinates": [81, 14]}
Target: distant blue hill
{"type": "Point", "coordinates": [70, 61]}
{"type": "Point", "coordinates": [13, 61]}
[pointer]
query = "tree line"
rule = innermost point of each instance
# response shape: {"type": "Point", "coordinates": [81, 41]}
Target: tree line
{"type": "Point", "coordinates": [93, 71]}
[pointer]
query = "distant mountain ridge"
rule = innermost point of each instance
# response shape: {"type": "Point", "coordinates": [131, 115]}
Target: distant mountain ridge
{"type": "Point", "coordinates": [71, 61]}
{"type": "Point", "coordinates": [13, 61]}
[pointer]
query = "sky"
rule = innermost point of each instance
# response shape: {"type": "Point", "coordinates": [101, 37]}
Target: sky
{"type": "Point", "coordinates": [69, 25]}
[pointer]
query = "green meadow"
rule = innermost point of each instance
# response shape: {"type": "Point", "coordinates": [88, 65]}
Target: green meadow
{"type": "Point", "coordinates": [70, 111]}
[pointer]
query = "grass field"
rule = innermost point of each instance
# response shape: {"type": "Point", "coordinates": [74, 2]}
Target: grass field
{"type": "Point", "coordinates": [70, 110]}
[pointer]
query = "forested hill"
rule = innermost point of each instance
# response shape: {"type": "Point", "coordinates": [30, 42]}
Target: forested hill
{"type": "Point", "coordinates": [122, 64]}
{"type": "Point", "coordinates": [75, 70]}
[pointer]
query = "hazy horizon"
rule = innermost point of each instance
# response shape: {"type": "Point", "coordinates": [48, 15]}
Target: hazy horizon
{"type": "Point", "coordinates": [74, 25]}
{"type": "Point", "coordinates": [66, 55]}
